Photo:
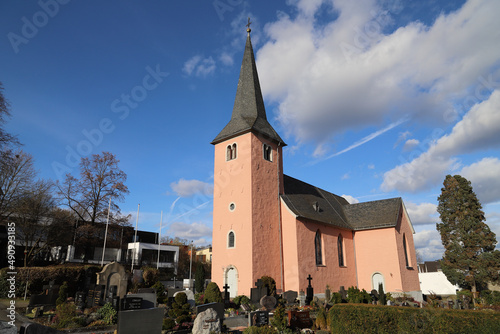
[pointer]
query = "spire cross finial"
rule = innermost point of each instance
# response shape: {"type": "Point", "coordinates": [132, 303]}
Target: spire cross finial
{"type": "Point", "coordinates": [248, 25]}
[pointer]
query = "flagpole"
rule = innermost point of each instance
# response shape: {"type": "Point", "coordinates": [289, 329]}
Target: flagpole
{"type": "Point", "coordinates": [135, 238]}
{"type": "Point", "coordinates": [106, 233]}
{"type": "Point", "coordinates": [159, 237]}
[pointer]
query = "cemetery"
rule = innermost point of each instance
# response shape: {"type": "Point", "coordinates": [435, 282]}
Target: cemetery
{"type": "Point", "coordinates": [112, 300]}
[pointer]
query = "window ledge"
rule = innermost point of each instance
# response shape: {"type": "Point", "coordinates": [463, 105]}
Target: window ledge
{"type": "Point", "coordinates": [321, 265]}
{"type": "Point", "coordinates": [409, 268]}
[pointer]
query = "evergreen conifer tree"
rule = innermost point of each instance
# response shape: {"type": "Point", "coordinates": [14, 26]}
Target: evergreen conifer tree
{"type": "Point", "coordinates": [470, 259]}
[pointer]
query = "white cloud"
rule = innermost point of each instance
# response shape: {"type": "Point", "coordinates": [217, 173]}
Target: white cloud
{"type": "Point", "coordinates": [485, 178]}
{"type": "Point", "coordinates": [191, 231]}
{"type": "Point", "coordinates": [479, 129]}
{"type": "Point", "coordinates": [423, 213]}
{"type": "Point", "coordinates": [350, 74]}
{"type": "Point", "coordinates": [350, 199]}
{"type": "Point", "coordinates": [410, 144]}
{"type": "Point", "coordinates": [188, 188]}
{"type": "Point", "coordinates": [345, 176]}
{"type": "Point", "coordinates": [199, 66]}
{"type": "Point", "coordinates": [371, 166]}
{"type": "Point", "coordinates": [226, 59]}
{"type": "Point", "coordinates": [428, 244]}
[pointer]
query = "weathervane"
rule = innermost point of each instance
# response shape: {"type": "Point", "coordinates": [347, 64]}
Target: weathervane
{"type": "Point", "coordinates": [248, 25]}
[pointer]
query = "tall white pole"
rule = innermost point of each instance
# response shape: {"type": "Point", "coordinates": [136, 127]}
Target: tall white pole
{"type": "Point", "coordinates": [106, 233]}
{"type": "Point", "coordinates": [159, 243]}
{"type": "Point", "coordinates": [135, 238]}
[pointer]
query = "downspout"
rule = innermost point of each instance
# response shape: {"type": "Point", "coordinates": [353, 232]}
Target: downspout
{"type": "Point", "coordinates": [279, 214]}
{"type": "Point", "coordinates": [355, 264]}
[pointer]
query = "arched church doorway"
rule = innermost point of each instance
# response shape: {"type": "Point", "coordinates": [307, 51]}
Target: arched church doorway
{"type": "Point", "coordinates": [232, 281]}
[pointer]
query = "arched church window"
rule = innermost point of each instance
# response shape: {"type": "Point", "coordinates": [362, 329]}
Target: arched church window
{"type": "Point", "coordinates": [340, 250]}
{"type": "Point", "coordinates": [406, 251]}
{"type": "Point", "coordinates": [268, 152]}
{"type": "Point", "coordinates": [230, 239]}
{"type": "Point", "coordinates": [318, 249]}
{"type": "Point", "coordinates": [231, 152]}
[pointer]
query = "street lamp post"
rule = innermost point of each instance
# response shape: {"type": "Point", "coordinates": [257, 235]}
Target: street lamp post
{"type": "Point", "coordinates": [191, 265]}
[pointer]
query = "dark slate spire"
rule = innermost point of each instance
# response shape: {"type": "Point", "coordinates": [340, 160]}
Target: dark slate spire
{"type": "Point", "coordinates": [249, 113]}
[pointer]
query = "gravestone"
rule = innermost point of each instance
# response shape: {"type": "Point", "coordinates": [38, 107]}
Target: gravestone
{"type": "Point", "coordinates": [257, 293]}
{"type": "Point", "coordinates": [268, 302]}
{"type": "Point", "coordinates": [299, 319]}
{"type": "Point", "coordinates": [310, 291]}
{"type": "Point", "coordinates": [258, 318]}
{"type": "Point", "coordinates": [146, 290]}
{"type": "Point", "coordinates": [327, 295]}
{"type": "Point", "coordinates": [217, 307]}
{"type": "Point", "coordinates": [35, 328]}
{"type": "Point", "coordinates": [112, 290]}
{"type": "Point", "coordinates": [6, 328]}
{"type": "Point", "coordinates": [207, 322]}
{"type": "Point", "coordinates": [90, 296]}
{"type": "Point", "coordinates": [144, 321]}
{"type": "Point", "coordinates": [47, 297]}
{"type": "Point", "coordinates": [290, 296]}
{"type": "Point", "coordinates": [302, 299]}
{"type": "Point", "coordinates": [98, 295]}
{"type": "Point", "coordinates": [80, 300]}
{"type": "Point", "coordinates": [343, 293]}
{"type": "Point", "coordinates": [113, 274]}
{"type": "Point", "coordinates": [131, 303]}
{"type": "Point", "coordinates": [148, 299]}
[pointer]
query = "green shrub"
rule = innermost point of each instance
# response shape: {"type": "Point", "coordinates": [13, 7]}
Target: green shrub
{"type": "Point", "coordinates": [279, 320]}
{"type": "Point", "coordinates": [160, 292]}
{"type": "Point", "coordinates": [354, 295]}
{"type": "Point", "coordinates": [63, 293]}
{"type": "Point", "coordinates": [491, 297]}
{"type": "Point", "coordinates": [321, 318]}
{"type": "Point", "coordinates": [212, 293]}
{"type": "Point", "coordinates": [168, 324]}
{"type": "Point", "coordinates": [350, 318]}
{"type": "Point", "coordinates": [150, 275]}
{"type": "Point", "coordinates": [336, 298]}
{"type": "Point", "coordinates": [65, 313]}
{"type": "Point", "coordinates": [199, 277]}
{"type": "Point", "coordinates": [271, 285]}
{"type": "Point", "coordinates": [241, 300]}
{"type": "Point", "coordinates": [180, 310]}
{"type": "Point", "coordinates": [108, 314]}
{"type": "Point", "coordinates": [381, 294]}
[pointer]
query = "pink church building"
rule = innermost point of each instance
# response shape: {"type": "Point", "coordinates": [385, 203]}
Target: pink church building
{"type": "Point", "coordinates": [268, 223]}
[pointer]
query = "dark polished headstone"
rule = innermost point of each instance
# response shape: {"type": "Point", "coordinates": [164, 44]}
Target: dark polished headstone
{"type": "Point", "coordinates": [258, 318]}
{"type": "Point", "coordinates": [299, 319]}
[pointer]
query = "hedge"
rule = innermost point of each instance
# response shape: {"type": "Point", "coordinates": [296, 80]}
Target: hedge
{"type": "Point", "coordinates": [360, 318]}
{"type": "Point", "coordinates": [40, 276]}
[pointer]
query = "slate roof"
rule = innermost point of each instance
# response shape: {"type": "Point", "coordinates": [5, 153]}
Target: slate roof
{"type": "Point", "coordinates": [249, 113]}
{"type": "Point", "coordinates": [310, 202]}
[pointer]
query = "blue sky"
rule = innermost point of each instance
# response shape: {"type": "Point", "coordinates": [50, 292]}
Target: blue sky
{"type": "Point", "coordinates": [375, 99]}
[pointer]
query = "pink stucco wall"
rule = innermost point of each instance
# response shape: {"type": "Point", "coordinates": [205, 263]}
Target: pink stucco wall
{"type": "Point", "coordinates": [251, 183]}
{"type": "Point", "coordinates": [381, 251]}
{"type": "Point", "coordinates": [300, 256]}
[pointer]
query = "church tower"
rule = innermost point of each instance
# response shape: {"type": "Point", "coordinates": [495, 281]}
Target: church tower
{"type": "Point", "coordinates": [248, 180]}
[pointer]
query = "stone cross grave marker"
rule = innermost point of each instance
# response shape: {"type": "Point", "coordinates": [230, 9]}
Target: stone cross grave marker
{"type": "Point", "coordinates": [310, 291]}
{"type": "Point", "coordinates": [225, 294]}
{"type": "Point", "coordinates": [257, 293]}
